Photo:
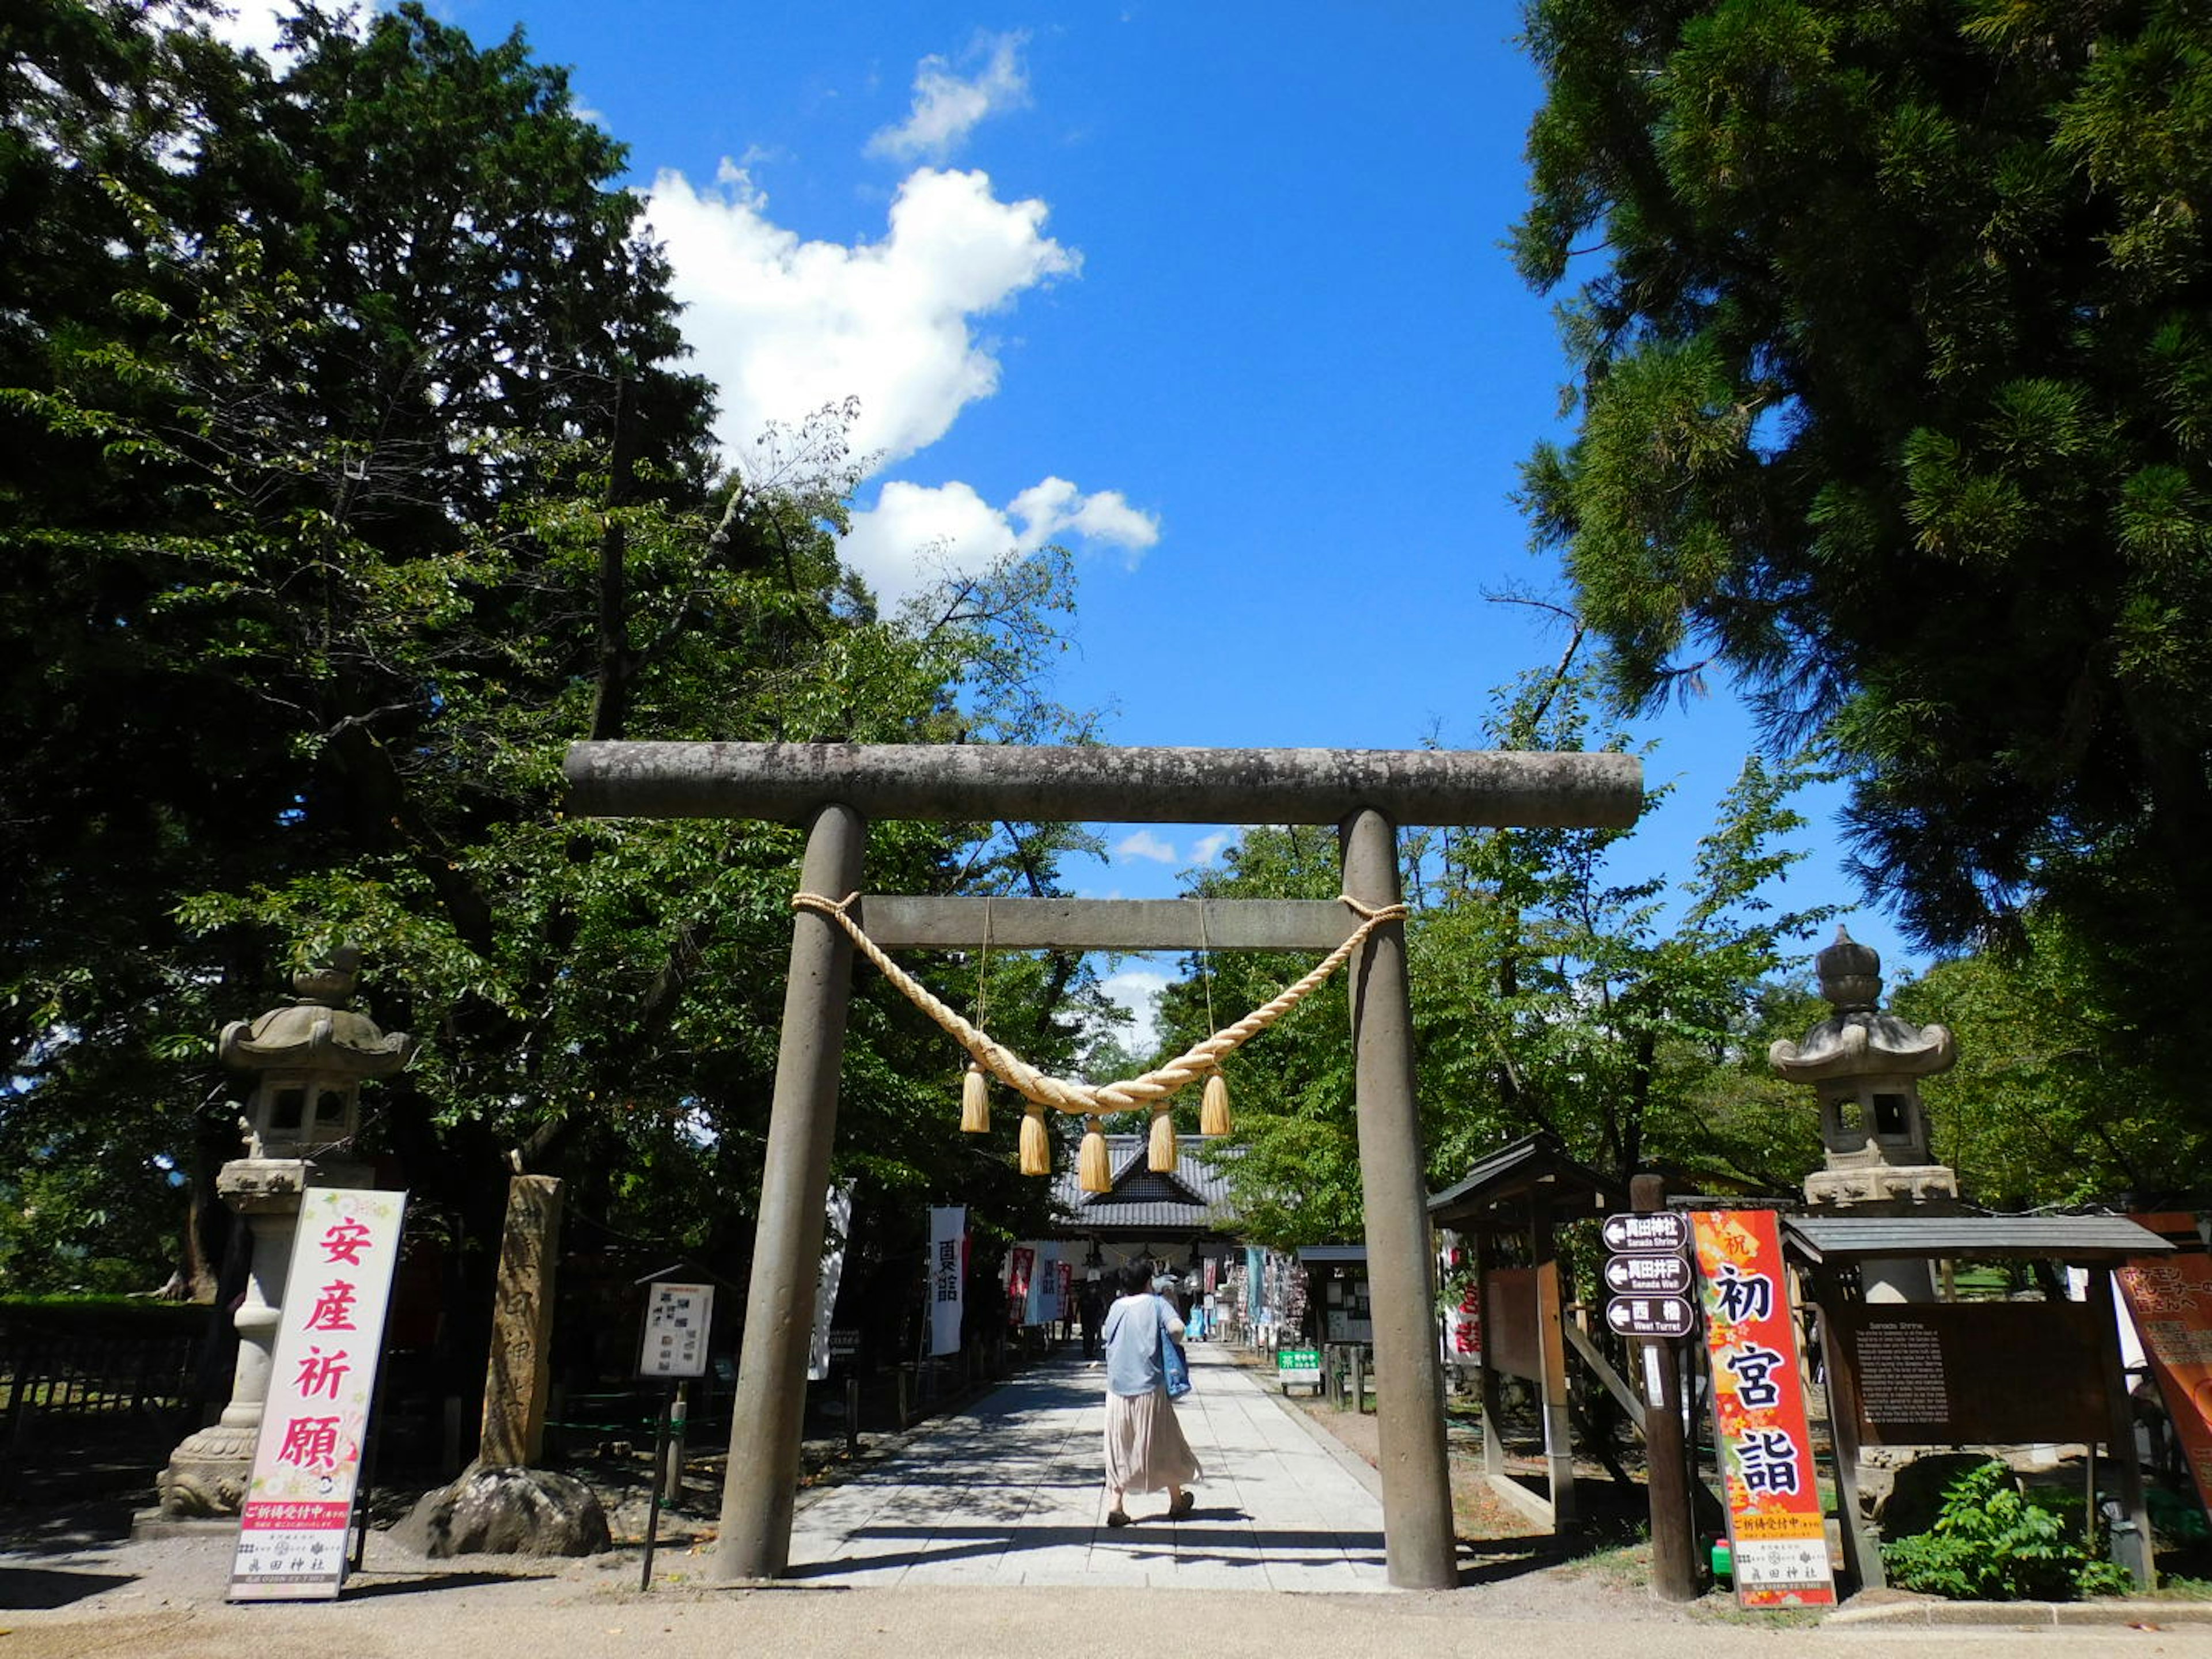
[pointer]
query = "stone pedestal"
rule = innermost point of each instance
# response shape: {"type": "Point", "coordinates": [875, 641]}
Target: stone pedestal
{"type": "Point", "coordinates": [206, 1474]}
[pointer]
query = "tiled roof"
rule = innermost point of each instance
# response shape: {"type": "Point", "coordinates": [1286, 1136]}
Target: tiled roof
{"type": "Point", "coordinates": [1195, 1197]}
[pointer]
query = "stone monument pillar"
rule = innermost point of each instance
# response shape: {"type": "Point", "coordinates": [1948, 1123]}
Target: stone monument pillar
{"type": "Point", "coordinates": [310, 1056]}
{"type": "Point", "coordinates": [1865, 1066]}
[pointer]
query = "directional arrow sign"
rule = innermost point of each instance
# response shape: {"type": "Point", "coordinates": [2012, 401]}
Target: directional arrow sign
{"type": "Point", "coordinates": [1650, 1316]}
{"type": "Point", "coordinates": [1647, 1275]}
{"type": "Point", "coordinates": [1661, 1232]}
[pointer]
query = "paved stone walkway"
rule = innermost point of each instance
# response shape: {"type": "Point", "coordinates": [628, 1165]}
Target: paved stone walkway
{"type": "Point", "coordinates": [1009, 1492]}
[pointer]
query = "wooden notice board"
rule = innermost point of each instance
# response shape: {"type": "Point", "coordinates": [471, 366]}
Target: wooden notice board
{"type": "Point", "coordinates": [1971, 1373]}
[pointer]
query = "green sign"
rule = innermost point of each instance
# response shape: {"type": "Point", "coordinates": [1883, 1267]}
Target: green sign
{"type": "Point", "coordinates": [1298, 1365]}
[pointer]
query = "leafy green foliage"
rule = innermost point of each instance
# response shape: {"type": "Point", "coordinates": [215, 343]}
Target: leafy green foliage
{"type": "Point", "coordinates": [355, 473]}
{"type": "Point", "coordinates": [1547, 994]}
{"type": "Point", "coordinates": [2051, 1101]}
{"type": "Point", "coordinates": [1992, 1541]}
{"type": "Point", "coordinates": [1891, 345]}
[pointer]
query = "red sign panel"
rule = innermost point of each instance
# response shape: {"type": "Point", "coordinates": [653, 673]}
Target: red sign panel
{"type": "Point", "coordinates": [1776, 1534]}
{"type": "Point", "coordinates": [2171, 1299]}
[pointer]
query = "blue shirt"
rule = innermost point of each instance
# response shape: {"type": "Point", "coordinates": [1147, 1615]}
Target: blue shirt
{"type": "Point", "coordinates": [1133, 1326]}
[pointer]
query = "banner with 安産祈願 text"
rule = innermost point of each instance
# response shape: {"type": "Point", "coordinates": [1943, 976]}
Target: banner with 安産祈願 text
{"type": "Point", "coordinates": [1778, 1540]}
{"type": "Point", "coordinates": [293, 1527]}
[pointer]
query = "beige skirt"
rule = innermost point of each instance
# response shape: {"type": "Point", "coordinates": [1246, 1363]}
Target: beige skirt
{"type": "Point", "coordinates": [1145, 1448]}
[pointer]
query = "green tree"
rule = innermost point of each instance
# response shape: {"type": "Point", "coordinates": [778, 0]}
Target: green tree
{"type": "Point", "coordinates": [2051, 1102]}
{"type": "Point", "coordinates": [1548, 993]}
{"type": "Point", "coordinates": [1892, 346]}
{"type": "Point", "coordinates": [356, 473]}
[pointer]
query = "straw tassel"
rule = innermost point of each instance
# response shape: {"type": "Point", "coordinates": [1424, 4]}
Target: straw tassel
{"type": "Point", "coordinates": [1090, 1162]}
{"type": "Point", "coordinates": [1036, 1146]}
{"type": "Point", "coordinates": [975, 1101]}
{"type": "Point", "coordinates": [1163, 1145]}
{"type": "Point", "coordinates": [1213, 1110]}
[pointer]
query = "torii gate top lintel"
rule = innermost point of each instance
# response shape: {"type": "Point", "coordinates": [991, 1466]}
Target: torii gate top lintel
{"type": "Point", "coordinates": [790, 782]}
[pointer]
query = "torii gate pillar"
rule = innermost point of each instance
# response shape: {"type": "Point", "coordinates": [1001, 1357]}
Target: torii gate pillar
{"type": "Point", "coordinates": [1419, 1539]}
{"type": "Point", "coordinates": [767, 1416]}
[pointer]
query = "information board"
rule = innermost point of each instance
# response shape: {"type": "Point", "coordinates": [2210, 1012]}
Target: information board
{"type": "Point", "coordinates": [677, 1318]}
{"type": "Point", "coordinates": [293, 1526]}
{"type": "Point", "coordinates": [1300, 1365]}
{"type": "Point", "coordinates": [1947, 1373]}
{"type": "Point", "coordinates": [1776, 1536]}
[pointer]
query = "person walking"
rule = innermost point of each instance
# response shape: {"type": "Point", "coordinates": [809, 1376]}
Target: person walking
{"type": "Point", "coordinates": [1145, 1450]}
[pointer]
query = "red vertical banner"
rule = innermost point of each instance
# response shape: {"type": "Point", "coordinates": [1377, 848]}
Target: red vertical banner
{"type": "Point", "coordinates": [1021, 1261]}
{"type": "Point", "coordinates": [1776, 1536]}
{"type": "Point", "coordinates": [2169, 1299]}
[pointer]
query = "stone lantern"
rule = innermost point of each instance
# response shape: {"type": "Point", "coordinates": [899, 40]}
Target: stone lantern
{"type": "Point", "coordinates": [1865, 1066]}
{"type": "Point", "coordinates": [309, 1058]}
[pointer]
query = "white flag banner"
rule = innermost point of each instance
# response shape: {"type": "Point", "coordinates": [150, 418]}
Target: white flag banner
{"type": "Point", "coordinates": [1044, 1286]}
{"type": "Point", "coordinates": [948, 1275]}
{"type": "Point", "coordinates": [825, 1286]}
{"type": "Point", "coordinates": [329, 1334]}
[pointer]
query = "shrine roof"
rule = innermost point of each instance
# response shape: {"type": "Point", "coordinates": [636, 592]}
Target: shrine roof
{"type": "Point", "coordinates": [1839, 1240]}
{"type": "Point", "coordinates": [1536, 1165]}
{"type": "Point", "coordinates": [1193, 1197]}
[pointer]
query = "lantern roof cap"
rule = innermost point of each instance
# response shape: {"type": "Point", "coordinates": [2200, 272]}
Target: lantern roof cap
{"type": "Point", "coordinates": [317, 1030]}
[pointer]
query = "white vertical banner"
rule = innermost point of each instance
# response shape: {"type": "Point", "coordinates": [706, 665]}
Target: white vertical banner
{"type": "Point", "coordinates": [1044, 1286]}
{"type": "Point", "coordinates": [329, 1334]}
{"type": "Point", "coordinates": [948, 1275]}
{"type": "Point", "coordinates": [840, 1215]}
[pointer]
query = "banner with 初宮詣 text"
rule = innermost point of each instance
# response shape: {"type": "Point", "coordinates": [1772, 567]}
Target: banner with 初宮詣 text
{"type": "Point", "coordinates": [293, 1527]}
{"type": "Point", "coordinates": [948, 1275]}
{"type": "Point", "coordinates": [1777, 1540]}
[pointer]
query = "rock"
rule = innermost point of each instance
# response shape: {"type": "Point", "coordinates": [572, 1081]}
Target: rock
{"type": "Point", "coordinates": [506, 1511]}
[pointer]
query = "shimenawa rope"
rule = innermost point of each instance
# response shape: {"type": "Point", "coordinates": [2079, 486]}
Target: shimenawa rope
{"type": "Point", "coordinates": [1018, 1074]}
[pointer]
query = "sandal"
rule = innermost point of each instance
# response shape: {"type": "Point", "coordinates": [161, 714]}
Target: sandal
{"type": "Point", "coordinates": [1183, 1506]}
{"type": "Point", "coordinates": [1117, 1517]}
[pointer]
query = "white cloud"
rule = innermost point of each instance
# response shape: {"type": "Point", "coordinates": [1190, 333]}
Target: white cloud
{"type": "Point", "coordinates": [1207, 848]}
{"type": "Point", "coordinates": [1147, 845]}
{"type": "Point", "coordinates": [916, 533]}
{"type": "Point", "coordinates": [249, 25]}
{"type": "Point", "coordinates": [784, 326]}
{"type": "Point", "coordinates": [1137, 990]}
{"type": "Point", "coordinates": [946, 108]}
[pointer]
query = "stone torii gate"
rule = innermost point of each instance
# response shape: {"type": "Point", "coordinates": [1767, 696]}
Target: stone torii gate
{"type": "Point", "coordinates": [834, 789]}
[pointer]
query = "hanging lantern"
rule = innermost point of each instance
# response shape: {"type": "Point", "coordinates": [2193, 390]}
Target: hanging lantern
{"type": "Point", "coordinates": [1163, 1144]}
{"type": "Point", "coordinates": [1036, 1146]}
{"type": "Point", "coordinates": [974, 1101]}
{"type": "Point", "coordinates": [1090, 1162]}
{"type": "Point", "coordinates": [1213, 1110]}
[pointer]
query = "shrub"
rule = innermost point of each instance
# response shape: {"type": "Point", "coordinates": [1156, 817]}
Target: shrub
{"type": "Point", "coordinates": [1993, 1542]}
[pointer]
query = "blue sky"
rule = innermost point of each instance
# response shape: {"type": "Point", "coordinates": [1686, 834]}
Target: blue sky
{"type": "Point", "coordinates": [1213, 296]}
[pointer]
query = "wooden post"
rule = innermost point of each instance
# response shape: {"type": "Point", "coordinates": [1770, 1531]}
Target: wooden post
{"type": "Point", "coordinates": [522, 1325]}
{"type": "Point", "coordinates": [1861, 1546]}
{"type": "Point", "coordinates": [1492, 1402]}
{"type": "Point", "coordinates": [1666, 1472]}
{"type": "Point", "coordinates": [2131, 1539]}
{"type": "Point", "coordinates": [766, 1416]}
{"type": "Point", "coordinates": [1551, 1346]}
{"type": "Point", "coordinates": [1420, 1539]}
{"type": "Point", "coordinates": [670, 1466]}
